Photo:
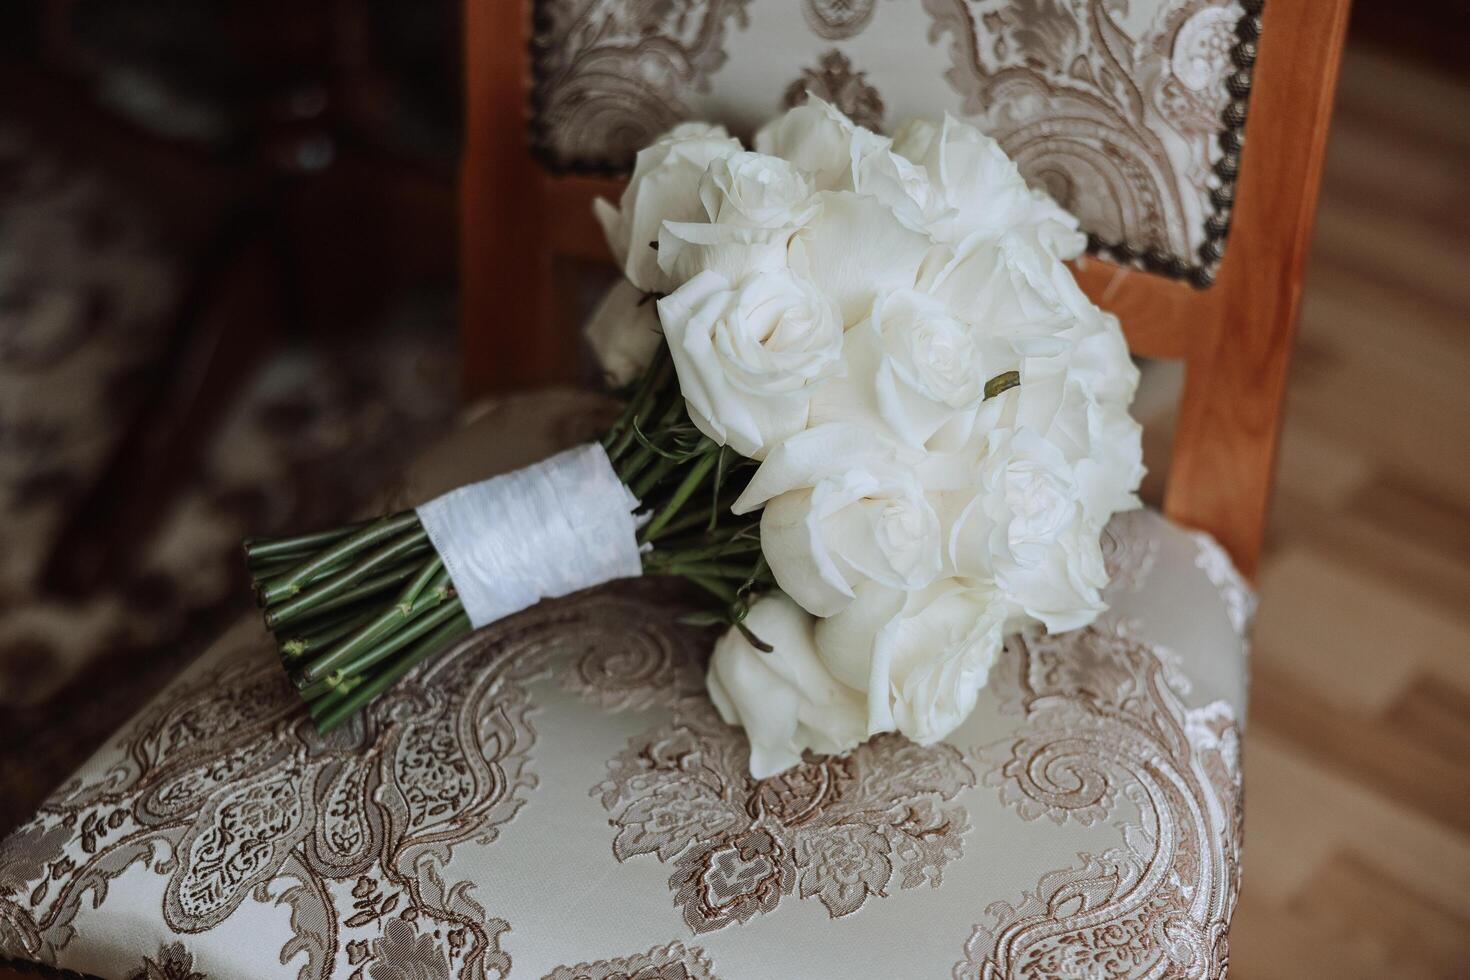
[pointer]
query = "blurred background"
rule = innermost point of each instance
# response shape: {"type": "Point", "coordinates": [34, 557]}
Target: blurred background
{"type": "Point", "coordinates": [275, 182]}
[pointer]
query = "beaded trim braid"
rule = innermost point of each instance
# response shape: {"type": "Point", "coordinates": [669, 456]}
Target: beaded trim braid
{"type": "Point", "coordinates": [1148, 256]}
{"type": "Point", "coordinates": [1201, 274]}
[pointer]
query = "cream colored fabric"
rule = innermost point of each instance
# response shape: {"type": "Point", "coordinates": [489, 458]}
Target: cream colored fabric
{"type": "Point", "coordinates": [1114, 106]}
{"type": "Point", "coordinates": [557, 798]}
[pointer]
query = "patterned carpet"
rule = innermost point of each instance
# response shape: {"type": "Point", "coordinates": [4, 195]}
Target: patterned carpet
{"type": "Point", "coordinates": [86, 291]}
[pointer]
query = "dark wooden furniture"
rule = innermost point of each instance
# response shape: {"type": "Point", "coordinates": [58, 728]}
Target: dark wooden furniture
{"type": "Point", "coordinates": [297, 208]}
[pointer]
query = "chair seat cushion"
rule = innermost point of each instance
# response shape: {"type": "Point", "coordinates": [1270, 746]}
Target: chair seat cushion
{"type": "Point", "coordinates": [557, 798]}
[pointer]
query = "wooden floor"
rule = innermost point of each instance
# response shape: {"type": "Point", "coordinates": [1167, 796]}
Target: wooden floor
{"type": "Point", "coordinates": [1357, 753]}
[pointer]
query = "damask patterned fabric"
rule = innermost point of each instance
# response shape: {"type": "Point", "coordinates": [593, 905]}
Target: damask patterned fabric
{"type": "Point", "coordinates": [556, 798]}
{"type": "Point", "coordinates": [89, 291]}
{"type": "Point", "coordinates": [1127, 111]}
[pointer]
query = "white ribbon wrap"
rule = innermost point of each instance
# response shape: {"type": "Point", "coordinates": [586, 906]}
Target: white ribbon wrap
{"type": "Point", "coordinates": [557, 527]}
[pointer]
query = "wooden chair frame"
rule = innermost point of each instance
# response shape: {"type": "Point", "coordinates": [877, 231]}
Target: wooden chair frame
{"type": "Point", "coordinates": [1235, 337]}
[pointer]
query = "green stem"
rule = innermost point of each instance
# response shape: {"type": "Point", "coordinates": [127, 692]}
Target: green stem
{"type": "Point", "coordinates": [329, 632]}
{"type": "Point", "coordinates": [259, 549]}
{"type": "Point", "coordinates": [354, 669]}
{"type": "Point", "coordinates": [427, 573]}
{"type": "Point", "coordinates": [411, 543]}
{"type": "Point", "coordinates": [264, 568]}
{"type": "Point", "coordinates": [380, 682]}
{"type": "Point", "coordinates": [682, 493]}
{"type": "Point", "coordinates": [439, 590]}
{"type": "Point", "coordinates": [667, 413]}
{"type": "Point", "coordinates": [649, 480]}
{"type": "Point", "coordinates": [715, 587]}
{"type": "Point", "coordinates": [368, 589]}
{"type": "Point", "coordinates": [674, 527]}
{"type": "Point", "coordinates": [621, 435]}
{"type": "Point", "coordinates": [276, 576]}
{"type": "Point", "coordinates": [332, 698]}
{"type": "Point", "coordinates": [374, 534]}
{"type": "Point", "coordinates": [663, 558]}
{"type": "Point", "coordinates": [707, 570]}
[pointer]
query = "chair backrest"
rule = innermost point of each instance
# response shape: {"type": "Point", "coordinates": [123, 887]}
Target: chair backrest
{"type": "Point", "coordinates": [1135, 116]}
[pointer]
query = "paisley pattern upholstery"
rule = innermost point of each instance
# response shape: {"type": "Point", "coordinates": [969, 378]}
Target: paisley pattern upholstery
{"type": "Point", "coordinates": [1128, 112]}
{"type": "Point", "coordinates": [556, 798]}
{"type": "Point", "coordinates": [89, 290]}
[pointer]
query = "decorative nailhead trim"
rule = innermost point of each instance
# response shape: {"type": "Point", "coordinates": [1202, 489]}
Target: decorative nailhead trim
{"type": "Point", "coordinates": [542, 46]}
{"type": "Point", "coordinates": [1217, 225]}
{"type": "Point", "coordinates": [1232, 142]}
{"type": "Point", "coordinates": [1228, 166]}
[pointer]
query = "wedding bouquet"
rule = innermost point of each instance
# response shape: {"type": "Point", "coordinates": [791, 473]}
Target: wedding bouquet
{"type": "Point", "coordinates": [869, 413]}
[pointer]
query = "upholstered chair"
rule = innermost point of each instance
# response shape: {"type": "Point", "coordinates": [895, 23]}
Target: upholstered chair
{"type": "Point", "coordinates": [556, 797]}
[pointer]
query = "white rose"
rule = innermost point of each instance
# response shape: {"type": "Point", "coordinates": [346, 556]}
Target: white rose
{"type": "Point", "coordinates": [917, 139]}
{"type": "Point", "coordinates": [821, 142]}
{"type": "Point", "coordinates": [1027, 530]}
{"type": "Point", "coordinates": [915, 371]}
{"type": "Point", "coordinates": [1056, 228]}
{"type": "Point", "coordinates": [1099, 439]}
{"type": "Point", "coordinates": [754, 203]}
{"type": "Point", "coordinates": [903, 187]}
{"type": "Point", "coordinates": [1097, 358]}
{"type": "Point", "coordinates": [982, 187]}
{"type": "Point", "coordinates": [1002, 285]}
{"type": "Point", "coordinates": [747, 356]}
{"type": "Point", "coordinates": [624, 333]}
{"type": "Point", "coordinates": [921, 656]}
{"type": "Point", "coordinates": [1015, 291]}
{"type": "Point", "coordinates": [840, 511]}
{"type": "Point", "coordinates": [839, 155]}
{"type": "Point", "coordinates": [664, 187]}
{"type": "Point", "coordinates": [785, 700]}
{"type": "Point", "coordinates": [856, 249]}
{"type": "Point", "coordinates": [927, 354]}
{"type": "Point", "coordinates": [687, 248]}
{"type": "Point", "coordinates": [756, 190]}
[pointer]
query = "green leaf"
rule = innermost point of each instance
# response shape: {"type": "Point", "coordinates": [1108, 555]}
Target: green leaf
{"type": "Point", "coordinates": [682, 452]}
{"type": "Point", "coordinates": [682, 492]}
{"type": "Point", "coordinates": [714, 497]}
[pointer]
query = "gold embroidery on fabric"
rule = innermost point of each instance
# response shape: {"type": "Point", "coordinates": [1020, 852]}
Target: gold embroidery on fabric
{"type": "Point", "coordinates": [225, 791]}
{"type": "Point", "coordinates": [835, 80]}
{"type": "Point", "coordinates": [1129, 552]}
{"type": "Point", "coordinates": [1240, 601]}
{"type": "Point", "coordinates": [837, 20]}
{"type": "Point", "coordinates": [671, 962]}
{"type": "Point", "coordinates": [1101, 722]}
{"type": "Point", "coordinates": [173, 962]}
{"type": "Point", "coordinates": [225, 787]}
{"type": "Point", "coordinates": [1116, 107]}
{"type": "Point", "coordinates": [1120, 129]}
{"type": "Point", "coordinates": [610, 77]}
{"type": "Point", "coordinates": [839, 829]}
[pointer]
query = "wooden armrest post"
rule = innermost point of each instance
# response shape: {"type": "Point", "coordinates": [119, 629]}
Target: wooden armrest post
{"type": "Point", "coordinates": [1236, 361]}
